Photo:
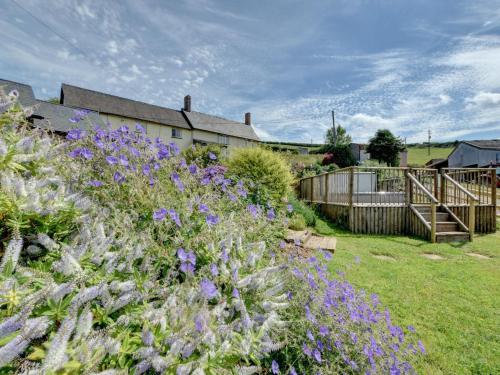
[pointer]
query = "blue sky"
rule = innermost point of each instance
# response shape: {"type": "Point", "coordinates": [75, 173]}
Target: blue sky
{"type": "Point", "coordinates": [408, 66]}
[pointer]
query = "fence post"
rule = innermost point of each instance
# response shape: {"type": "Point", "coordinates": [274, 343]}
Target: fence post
{"type": "Point", "coordinates": [351, 191]}
{"type": "Point", "coordinates": [436, 188]}
{"type": "Point", "coordinates": [494, 187]}
{"type": "Point", "coordinates": [311, 194]}
{"type": "Point", "coordinates": [407, 188]}
{"type": "Point", "coordinates": [443, 188]}
{"type": "Point", "coordinates": [433, 222]}
{"type": "Point", "coordinates": [325, 195]}
{"type": "Point", "coordinates": [472, 218]}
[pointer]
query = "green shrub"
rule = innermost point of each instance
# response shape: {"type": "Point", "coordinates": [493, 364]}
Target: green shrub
{"type": "Point", "coordinates": [266, 174]}
{"type": "Point", "coordinates": [301, 209]}
{"type": "Point", "coordinates": [203, 155]}
{"type": "Point", "coordinates": [297, 222]}
{"type": "Point", "coordinates": [340, 155]}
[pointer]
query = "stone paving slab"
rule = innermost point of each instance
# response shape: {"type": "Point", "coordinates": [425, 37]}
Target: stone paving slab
{"type": "Point", "coordinates": [319, 242]}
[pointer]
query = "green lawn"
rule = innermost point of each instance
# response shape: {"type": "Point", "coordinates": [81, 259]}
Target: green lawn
{"type": "Point", "coordinates": [420, 156]}
{"type": "Point", "coordinates": [453, 303]}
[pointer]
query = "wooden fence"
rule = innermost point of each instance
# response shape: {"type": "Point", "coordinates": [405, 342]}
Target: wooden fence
{"type": "Point", "coordinates": [385, 200]}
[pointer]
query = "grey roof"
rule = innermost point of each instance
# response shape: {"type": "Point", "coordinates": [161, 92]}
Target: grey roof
{"type": "Point", "coordinates": [56, 117]}
{"type": "Point", "coordinates": [493, 144]}
{"type": "Point", "coordinates": [78, 97]}
{"type": "Point", "coordinates": [215, 124]}
{"type": "Point", "coordinates": [47, 115]}
{"type": "Point", "coordinates": [26, 95]}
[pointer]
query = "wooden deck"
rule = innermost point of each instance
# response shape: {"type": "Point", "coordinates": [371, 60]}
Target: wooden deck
{"type": "Point", "coordinates": [415, 201]}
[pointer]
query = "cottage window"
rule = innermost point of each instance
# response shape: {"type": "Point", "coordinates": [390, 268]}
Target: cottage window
{"type": "Point", "coordinates": [176, 133]}
{"type": "Point", "coordinates": [223, 139]}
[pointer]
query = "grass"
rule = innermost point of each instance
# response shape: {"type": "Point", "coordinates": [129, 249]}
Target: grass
{"type": "Point", "coordinates": [419, 156]}
{"type": "Point", "coordinates": [453, 303]}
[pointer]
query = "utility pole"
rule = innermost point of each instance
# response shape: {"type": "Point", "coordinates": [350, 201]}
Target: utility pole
{"type": "Point", "coordinates": [334, 134]}
{"type": "Point", "coordinates": [429, 142]}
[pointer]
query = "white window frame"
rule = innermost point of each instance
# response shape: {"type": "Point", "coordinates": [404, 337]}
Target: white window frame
{"type": "Point", "coordinates": [223, 139]}
{"type": "Point", "coordinates": [176, 133]}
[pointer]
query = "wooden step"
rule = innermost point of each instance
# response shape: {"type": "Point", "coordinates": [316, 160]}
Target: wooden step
{"type": "Point", "coordinates": [452, 236]}
{"type": "Point", "coordinates": [440, 216]}
{"type": "Point", "coordinates": [446, 226]}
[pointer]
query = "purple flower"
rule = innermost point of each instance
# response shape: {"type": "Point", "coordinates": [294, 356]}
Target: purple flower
{"type": "Point", "coordinates": [75, 153]}
{"type": "Point", "coordinates": [421, 346]}
{"type": "Point", "coordinates": [236, 293]}
{"type": "Point", "coordinates": [208, 288]}
{"type": "Point", "coordinates": [212, 219]}
{"type": "Point", "coordinates": [411, 329]}
{"type": "Point", "coordinates": [310, 335]}
{"type": "Point", "coordinates": [187, 268]}
{"type": "Point", "coordinates": [282, 244]}
{"type": "Point", "coordinates": [163, 152]}
{"type": "Point", "coordinates": [327, 255]}
{"type": "Point", "coordinates": [139, 128]}
{"type": "Point", "coordinates": [289, 208]}
{"type": "Point", "coordinates": [253, 209]}
{"type": "Point", "coordinates": [118, 177]}
{"type": "Point", "coordinates": [317, 355]}
{"type": "Point", "coordinates": [177, 181]}
{"type": "Point", "coordinates": [94, 183]}
{"type": "Point", "coordinates": [146, 169]}
{"type": "Point", "coordinates": [123, 160]}
{"type": "Point", "coordinates": [198, 323]}
{"type": "Point", "coordinates": [134, 152]}
{"type": "Point", "coordinates": [175, 217]}
{"type": "Point", "coordinates": [271, 214]}
{"type": "Point", "coordinates": [111, 160]}
{"type": "Point", "coordinates": [174, 148]}
{"type": "Point", "coordinates": [292, 371]}
{"type": "Point", "coordinates": [214, 269]}
{"type": "Point", "coordinates": [86, 153]}
{"type": "Point", "coordinates": [212, 156]}
{"type": "Point", "coordinates": [186, 257]}
{"type": "Point", "coordinates": [160, 214]}
{"type": "Point", "coordinates": [192, 168]}
{"type": "Point", "coordinates": [123, 129]}
{"type": "Point", "coordinates": [203, 208]}
{"type": "Point", "coordinates": [306, 350]}
{"type": "Point", "coordinates": [275, 368]}
{"type": "Point", "coordinates": [323, 331]}
{"type": "Point", "coordinates": [75, 134]}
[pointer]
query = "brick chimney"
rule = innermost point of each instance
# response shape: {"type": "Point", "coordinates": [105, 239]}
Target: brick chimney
{"type": "Point", "coordinates": [187, 103]}
{"type": "Point", "coordinates": [248, 118]}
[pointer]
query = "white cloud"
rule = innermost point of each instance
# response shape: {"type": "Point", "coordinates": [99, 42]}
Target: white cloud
{"type": "Point", "coordinates": [485, 99]}
{"type": "Point", "coordinates": [444, 99]}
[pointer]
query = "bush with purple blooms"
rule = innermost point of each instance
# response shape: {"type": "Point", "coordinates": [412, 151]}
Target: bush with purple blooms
{"type": "Point", "coordinates": [120, 256]}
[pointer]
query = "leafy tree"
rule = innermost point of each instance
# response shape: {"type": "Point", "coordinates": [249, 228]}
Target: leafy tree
{"type": "Point", "coordinates": [342, 137]}
{"type": "Point", "coordinates": [54, 100]}
{"type": "Point", "coordinates": [341, 155]}
{"type": "Point", "coordinates": [385, 147]}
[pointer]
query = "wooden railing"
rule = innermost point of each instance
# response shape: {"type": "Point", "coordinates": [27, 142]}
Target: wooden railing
{"type": "Point", "coordinates": [373, 186]}
{"type": "Point", "coordinates": [417, 191]}
{"type": "Point", "coordinates": [480, 182]}
{"type": "Point", "coordinates": [471, 199]}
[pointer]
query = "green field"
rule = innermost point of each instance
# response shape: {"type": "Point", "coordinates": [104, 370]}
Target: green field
{"type": "Point", "coordinates": [419, 156]}
{"type": "Point", "coordinates": [452, 302]}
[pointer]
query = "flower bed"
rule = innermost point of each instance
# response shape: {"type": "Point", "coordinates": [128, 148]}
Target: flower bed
{"type": "Point", "coordinates": [121, 257]}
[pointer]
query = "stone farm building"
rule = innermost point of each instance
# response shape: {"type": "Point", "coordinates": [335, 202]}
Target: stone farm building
{"type": "Point", "coordinates": [184, 127]}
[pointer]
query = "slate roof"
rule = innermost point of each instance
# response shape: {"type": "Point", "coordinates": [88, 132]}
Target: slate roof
{"type": "Point", "coordinates": [26, 95]}
{"type": "Point", "coordinates": [47, 115]}
{"type": "Point", "coordinates": [493, 144]}
{"type": "Point", "coordinates": [56, 117]}
{"type": "Point", "coordinates": [78, 97]}
{"type": "Point", "coordinates": [215, 124]}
